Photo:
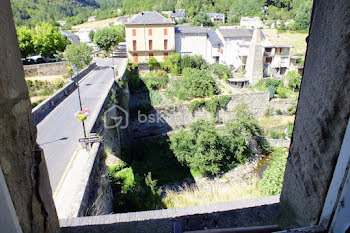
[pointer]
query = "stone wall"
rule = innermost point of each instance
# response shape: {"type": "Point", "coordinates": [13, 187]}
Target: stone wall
{"type": "Point", "coordinates": [45, 69]}
{"type": "Point", "coordinates": [175, 116]}
{"type": "Point", "coordinates": [322, 113]}
{"type": "Point", "coordinates": [21, 161]}
{"type": "Point", "coordinates": [255, 212]}
{"type": "Point", "coordinates": [281, 104]}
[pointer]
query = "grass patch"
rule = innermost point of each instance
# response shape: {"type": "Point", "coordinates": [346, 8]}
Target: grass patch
{"type": "Point", "coordinates": [211, 193]}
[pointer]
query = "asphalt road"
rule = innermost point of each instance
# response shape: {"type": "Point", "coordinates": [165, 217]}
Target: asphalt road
{"type": "Point", "coordinates": [59, 132]}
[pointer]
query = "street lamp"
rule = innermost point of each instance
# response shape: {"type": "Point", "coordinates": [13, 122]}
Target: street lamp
{"type": "Point", "coordinates": [76, 71]}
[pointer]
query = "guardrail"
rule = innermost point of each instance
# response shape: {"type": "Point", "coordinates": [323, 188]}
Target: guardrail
{"type": "Point", "coordinates": [42, 110]}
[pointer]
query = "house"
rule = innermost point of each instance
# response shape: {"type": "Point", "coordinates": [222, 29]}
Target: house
{"type": "Point", "coordinates": [179, 14]}
{"type": "Point", "coordinates": [236, 43]}
{"type": "Point", "coordinates": [277, 59]}
{"type": "Point", "coordinates": [196, 40]}
{"type": "Point", "coordinates": [217, 17]}
{"type": "Point", "coordinates": [71, 36]}
{"type": "Point", "coordinates": [191, 40]}
{"type": "Point", "coordinates": [251, 22]}
{"type": "Point", "coordinates": [92, 19]}
{"type": "Point", "coordinates": [149, 34]}
{"type": "Point", "coordinates": [214, 47]}
{"type": "Point", "coordinates": [62, 22]}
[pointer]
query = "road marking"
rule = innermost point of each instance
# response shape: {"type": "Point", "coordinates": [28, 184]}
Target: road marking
{"type": "Point", "coordinates": [63, 177]}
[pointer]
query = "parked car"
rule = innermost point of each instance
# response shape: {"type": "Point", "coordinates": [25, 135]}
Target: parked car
{"type": "Point", "coordinates": [36, 59]}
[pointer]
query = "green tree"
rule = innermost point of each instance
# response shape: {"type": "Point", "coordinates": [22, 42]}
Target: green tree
{"type": "Point", "coordinates": [107, 37]}
{"type": "Point", "coordinates": [195, 61]}
{"type": "Point", "coordinates": [79, 55]}
{"type": "Point", "coordinates": [152, 63]}
{"type": "Point", "coordinates": [47, 40]}
{"type": "Point", "coordinates": [303, 15]}
{"type": "Point", "coordinates": [247, 7]}
{"type": "Point", "coordinates": [172, 63]}
{"type": "Point", "coordinates": [220, 70]}
{"type": "Point", "coordinates": [294, 80]}
{"type": "Point", "coordinates": [25, 40]}
{"type": "Point", "coordinates": [202, 19]}
{"type": "Point", "coordinates": [201, 148]}
{"type": "Point", "coordinates": [196, 83]}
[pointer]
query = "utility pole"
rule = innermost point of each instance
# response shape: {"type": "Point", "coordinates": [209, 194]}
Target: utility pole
{"type": "Point", "coordinates": [76, 71]}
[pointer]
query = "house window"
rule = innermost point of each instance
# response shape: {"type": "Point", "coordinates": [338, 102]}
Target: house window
{"type": "Point", "coordinates": [269, 60]}
{"type": "Point", "coordinates": [150, 44]}
{"type": "Point", "coordinates": [150, 55]}
{"type": "Point", "coordinates": [133, 32]}
{"type": "Point", "coordinates": [166, 55]}
{"type": "Point", "coordinates": [165, 44]}
{"type": "Point", "coordinates": [150, 32]}
{"type": "Point", "coordinates": [134, 45]}
{"type": "Point", "coordinates": [136, 58]}
{"type": "Point", "coordinates": [268, 50]}
{"type": "Point", "coordinates": [165, 31]}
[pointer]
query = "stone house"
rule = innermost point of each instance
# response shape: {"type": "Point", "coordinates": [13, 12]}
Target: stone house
{"type": "Point", "coordinates": [217, 17]}
{"type": "Point", "coordinates": [149, 34]}
{"type": "Point", "coordinates": [236, 42]}
{"type": "Point", "coordinates": [276, 60]}
{"type": "Point", "coordinates": [178, 15]}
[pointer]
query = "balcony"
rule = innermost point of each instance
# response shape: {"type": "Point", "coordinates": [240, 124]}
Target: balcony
{"type": "Point", "coordinates": [130, 50]}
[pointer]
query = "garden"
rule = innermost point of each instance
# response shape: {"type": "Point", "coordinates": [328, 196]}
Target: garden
{"type": "Point", "coordinates": [174, 170]}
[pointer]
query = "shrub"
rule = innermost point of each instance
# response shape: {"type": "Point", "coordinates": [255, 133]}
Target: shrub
{"type": "Point", "coordinates": [294, 80]}
{"type": "Point", "coordinates": [275, 134]}
{"type": "Point", "coordinates": [292, 109]}
{"type": "Point", "coordinates": [195, 61]}
{"type": "Point", "coordinates": [152, 63]}
{"type": "Point", "coordinates": [212, 105]}
{"type": "Point", "coordinates": [156, 81]}
{"type": "Point", "coordinates": [221, 71]}
{"type": "Point", "coordinates": [282, 92]}
{"type": "Point", "coordinates": [196, 83]}
{"type": "Point", "coordinates": [290, 127]}
{"type": "Point", "coordinates": [272, 181]}
{"type": "Point", "coordinates": [59, 83]}
{"type": "Point", "coordinates": [201, 148]}
{"type": "Point", "coordinates": [126, 178]}
{"type": "Point", "coordinates": [172, 63]}
{"type": "Point", "coordinates": [279, 111]}
{"type": "Point", "coordinates": [204, 150]}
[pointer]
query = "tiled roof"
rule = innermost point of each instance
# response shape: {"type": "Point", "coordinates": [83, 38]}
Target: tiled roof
{"type": "Point", "coordinates": [214, 38]}
{"type": "Point", "coordinates": [190, 29]}
{"type": "Point", "coordinates": [145, 18]}
{"type": "Point", "coordinates": [176, 15]}
{"type": "Point", "coordinates": [237, 33]}
{"type": "Point", "coordinates": [216, 15]}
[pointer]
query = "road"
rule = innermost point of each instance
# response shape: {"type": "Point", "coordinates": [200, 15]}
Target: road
{"type": "Point", "coordinates": [59, 132]}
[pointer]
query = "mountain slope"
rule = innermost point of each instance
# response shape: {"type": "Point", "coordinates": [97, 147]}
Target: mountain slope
{"type": "Point", "coordinates": [29, 12]}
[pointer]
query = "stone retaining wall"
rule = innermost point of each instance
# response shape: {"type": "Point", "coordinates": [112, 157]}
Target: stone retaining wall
{"type": "Point", "coordinates": [42, 110]}
{"type": "Point", "coordinates": [45, 69]}
{"type": "Point", "coordinates": [281, 104]}
{"type": "Point", "coordinates": [175, 116]}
